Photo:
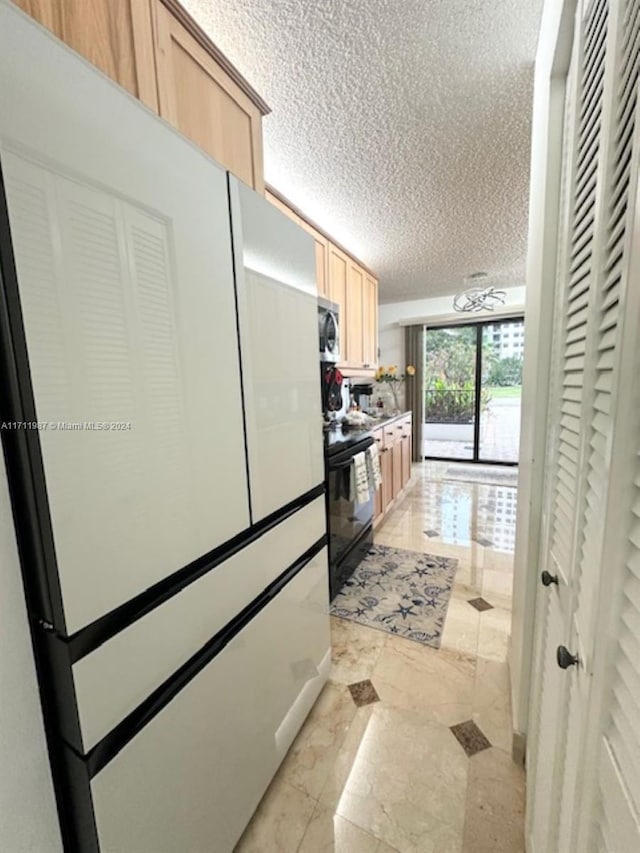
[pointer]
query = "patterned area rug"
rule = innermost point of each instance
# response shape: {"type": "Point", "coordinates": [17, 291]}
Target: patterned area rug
{"type": "Point", "coordinates": [402, 592]}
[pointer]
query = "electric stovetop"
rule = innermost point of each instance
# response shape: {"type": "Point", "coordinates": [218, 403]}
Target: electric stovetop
{"type": "Point", "coordinates": [341, 438]}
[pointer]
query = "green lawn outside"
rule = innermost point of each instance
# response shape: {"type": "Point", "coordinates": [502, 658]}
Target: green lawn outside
{"type": "Point", "coordinates": [505, 391]}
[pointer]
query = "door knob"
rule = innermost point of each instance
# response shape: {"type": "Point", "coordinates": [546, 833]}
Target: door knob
{"type": "Point", "coordinates": [547, 579]}
{"type": "Point", "coordinates": [565, 658]}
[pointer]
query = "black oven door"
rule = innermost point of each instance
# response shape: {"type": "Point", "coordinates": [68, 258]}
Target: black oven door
{"type": "Point", "coordinates": [348, 520]}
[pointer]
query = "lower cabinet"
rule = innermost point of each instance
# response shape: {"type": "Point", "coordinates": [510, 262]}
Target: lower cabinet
{"type": "Point", "coordinates": [191, 779]}
{"type": "Point", "coordinates": [387, 479]}
{"type": "Point", "coordinates": [406, 445]}
{"type": "Point", "coordinates": [394, 445]}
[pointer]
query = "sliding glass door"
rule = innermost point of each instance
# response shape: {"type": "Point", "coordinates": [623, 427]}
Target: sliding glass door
{"type": "Point", "coordinates": [473, 379]}
{"type": "Point", "coordinates": [450, 392]}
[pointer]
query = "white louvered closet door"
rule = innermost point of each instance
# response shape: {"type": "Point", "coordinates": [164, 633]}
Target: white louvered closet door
{"type": "Point", "coordinates": [549, 759]}
{"type": "Point", "coordinates": [612, 780]}
{"type": "Point", "coordinates": [585, 499]}
{"type": "Point", "coordinates": [552, 602]}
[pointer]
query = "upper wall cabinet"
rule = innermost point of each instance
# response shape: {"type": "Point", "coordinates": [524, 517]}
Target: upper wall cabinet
{"type": "Point", "coordinates": [114, 35]}
{"type": "Point", "coordinates": [199, 97]}
{"type": "Point", "coordinates": [370, 322]}
{"type": "Point", "coordinates": [353, 355]}
{"type": "Point", "coordinates": [322, 244]}
{"type": "Point", "coordinates": [155, 50]}
{"type": "Point", "coordinates": [343, 280]}
{"type": "Point", "coordinates": [338, 284]}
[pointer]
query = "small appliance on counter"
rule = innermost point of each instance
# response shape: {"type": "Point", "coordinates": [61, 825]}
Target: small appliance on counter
{"type": "Point", "coordinates": [329, 331]}
{"type": "Point", "coordinates": [363, 396]}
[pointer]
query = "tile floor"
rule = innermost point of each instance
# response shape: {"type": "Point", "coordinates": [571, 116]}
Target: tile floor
{"type": "Point", "coordinates": [377, 767]}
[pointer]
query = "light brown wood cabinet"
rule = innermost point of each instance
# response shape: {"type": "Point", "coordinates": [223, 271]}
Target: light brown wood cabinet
{"type": "Point", "coordinates": [322, 244]}
{"type": "Point", "coordinates": [353, 355]}
{"type": "Point", "coordinates": [370, 322]}
{"type": "Point", "coordinates": [338, 284]}
{"type": "Point", "coordinates": [343, 280]}
{"type": "Point", "coordinates": [394, 444]}
{"type": "Point", "coordinates": [114, 35]}
{"type": "Point", "coordinates": [361, 319]}
{"type": "Point", "coordinates": [198, 97]}
{"type": "Point", "coordinates": [322, 263]}
{"type": "Point", "coordinates": [406, 445]}
{"type": "Point", "coordinates": [155, 50]}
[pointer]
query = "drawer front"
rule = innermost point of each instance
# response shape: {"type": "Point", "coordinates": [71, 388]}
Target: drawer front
{"type": "Point", "coordinates": [390, 434]}
{"type": "Point", "coordinates": [111, 681]}
{"type": "Point", "coordinates": [191, 779]}
{"type": "Point", "coordinates": [378, 437]}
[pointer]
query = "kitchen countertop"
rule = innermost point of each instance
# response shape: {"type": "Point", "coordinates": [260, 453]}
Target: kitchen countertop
{"type": "Point", "coordinates": [342, 437]}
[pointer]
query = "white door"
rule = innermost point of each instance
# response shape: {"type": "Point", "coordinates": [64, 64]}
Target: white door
{"type": "Point", "coordinates": [122, 246]}
{"type": "Point", "coordinates": [278, 315]}
{"type": "Point", "coordinates": [594, 258]}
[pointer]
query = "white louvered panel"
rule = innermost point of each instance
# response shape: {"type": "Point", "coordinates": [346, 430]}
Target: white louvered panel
{"type": "Point", "coordinates": [608, 301]}
{"type": "Point", "coordinates": [618, 829]}
{"type": "Point", "coordinates": [623, 730]}
{"type": "Point", "coordinates": [618, 822]}
{"type": "Point", "coordinates": [578, 285]}
{"type": "Point", "coordinates": [579, 311]}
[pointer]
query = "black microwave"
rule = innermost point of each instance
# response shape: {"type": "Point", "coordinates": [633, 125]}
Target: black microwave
{"type": "Point", "coordinates": [329, 330]}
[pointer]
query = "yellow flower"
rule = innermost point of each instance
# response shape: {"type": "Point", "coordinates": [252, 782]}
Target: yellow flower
{"type": "Point", "coordinates": [392, 370]}
{"type": "Point", "coordinates": [411, 371]}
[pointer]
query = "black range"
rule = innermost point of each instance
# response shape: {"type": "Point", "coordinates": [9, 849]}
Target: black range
{"type": "Point", "coordinates": [350, 523]}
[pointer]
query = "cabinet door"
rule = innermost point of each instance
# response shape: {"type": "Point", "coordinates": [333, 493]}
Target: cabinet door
{"type": "Point", "coordinates": [114, 35]}
{"type": "Point", "coordinates": [284, 208]}
{"type": "Point", "coordinates": [338, 269]}
{"type": "Point", "coordinates": [370, 322]}
{"type": "Point", "coordinates": [198, 97]}
{"type": "Point", "coordinates": [355, 289]}
{"type": "Point", "coordinates": [386, 464]}
{"type": "Point", "coordinates": [406, 457]}
{"type": "Point", "coordinates": [322, 271]}
{"type": "Point", "coordinates": [397, 467]}
{"type": "Point", "coordinates": [321, 247]}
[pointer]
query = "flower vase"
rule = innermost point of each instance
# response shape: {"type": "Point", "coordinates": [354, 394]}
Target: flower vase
{"type": "Point", "coordinates": [394, 393]}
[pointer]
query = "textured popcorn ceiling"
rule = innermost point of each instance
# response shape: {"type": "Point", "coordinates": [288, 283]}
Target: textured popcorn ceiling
{"type": "Point", "coordinates": [400, 126]}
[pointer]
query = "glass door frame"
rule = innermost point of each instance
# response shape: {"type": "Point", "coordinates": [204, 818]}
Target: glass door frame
{"type": "Point", "coordinates": [479, 326]}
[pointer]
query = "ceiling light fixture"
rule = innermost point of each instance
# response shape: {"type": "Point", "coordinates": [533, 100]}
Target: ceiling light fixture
{"type": "Point", "coordinates": [478, 298]}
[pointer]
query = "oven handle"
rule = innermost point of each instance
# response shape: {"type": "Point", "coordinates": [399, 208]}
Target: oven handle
{"type": "Point", "coordinates": [341, 465]}
{"type": "Point", "coordinates": [343, 460]}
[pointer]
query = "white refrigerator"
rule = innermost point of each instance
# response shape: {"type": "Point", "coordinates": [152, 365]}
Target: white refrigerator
{"type": "Point", "coordinates": [164, 454]}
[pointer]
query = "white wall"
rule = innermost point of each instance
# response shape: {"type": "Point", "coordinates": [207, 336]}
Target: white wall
{"type": "Point", "coordinates": [546, 153]}
{"type": "Point", "coordinates": [28, 818]}
{"type": "Point", "coordinates": [394, 316]}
